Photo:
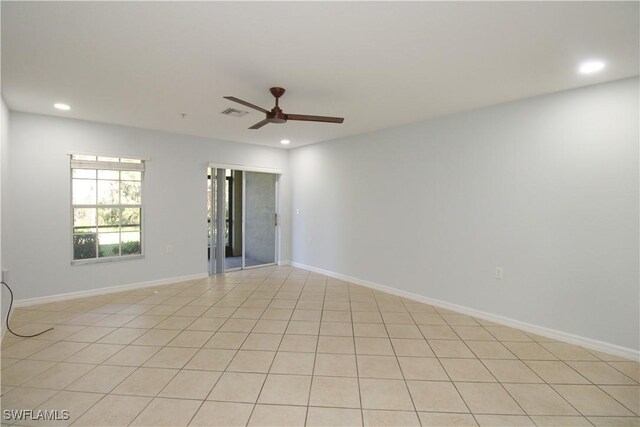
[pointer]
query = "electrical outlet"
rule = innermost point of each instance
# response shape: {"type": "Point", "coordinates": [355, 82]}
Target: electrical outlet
{"type": "Point", "coordinates": [499, 273]}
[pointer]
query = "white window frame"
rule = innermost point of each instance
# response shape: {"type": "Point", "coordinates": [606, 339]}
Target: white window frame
{"type": "Point", "coordinates": [107, 165]}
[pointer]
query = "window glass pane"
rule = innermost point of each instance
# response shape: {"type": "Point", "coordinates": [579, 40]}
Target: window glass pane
{"type": "Point", "coordinates": [108, 192]}
{"type": "Point", "coordinates": [84, 220]}
{"type": "Point", "coordinates": [131, 243]}
{"type": "Point", "coordinates": [109, 219]}
{"type": "Point", "coordinates": [84, 173]}
{"type": "Point", "coordinates": [83, 157]}
{"type": "Point", "coordinates": [101, 231]}
{"type": "Point", "coordinates": [130, 219]}
{"type": "Point", "coordinates": [131, 216]}
{"type": "Point", "coordinates": [131, 175]}
{"type": "Point", "coordinates": [108, 244]}
{"type": "Point", "coordinates": [131, 193]}
{"type": "Point", "coordinates": [102, 174]}
{"type": "Point", "coordinates": [84, 246]}
{"type": "Point", "coordinates": [84, 192]}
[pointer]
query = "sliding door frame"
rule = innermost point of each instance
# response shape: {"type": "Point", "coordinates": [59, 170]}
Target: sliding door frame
{"type": "Point", "coordinates": [244, 220]}
{"type": "Point", "coordinates": [216, 239]}
{"type": "Point", "coordinates": [221, 220]}
{"type": "Point", "coordinates": [246, 168]}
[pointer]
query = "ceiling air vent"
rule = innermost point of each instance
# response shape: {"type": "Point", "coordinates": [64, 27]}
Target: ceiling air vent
{"type": "Point", "coordinates": [234, 113]}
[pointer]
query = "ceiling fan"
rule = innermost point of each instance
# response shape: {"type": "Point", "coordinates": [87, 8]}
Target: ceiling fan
{"type": "Point", "coordinates": [276, 115]}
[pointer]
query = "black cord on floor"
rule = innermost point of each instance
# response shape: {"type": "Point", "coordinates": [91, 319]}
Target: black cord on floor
{"type": "Point", "coordinates": [9, 313]}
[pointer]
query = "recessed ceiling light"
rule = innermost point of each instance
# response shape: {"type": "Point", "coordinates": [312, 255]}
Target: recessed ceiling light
{"type": "Point", "coordinates": [590, 67]}
{"type": "Point", "coordinates": [285, 142]}
{"type": "Point", "coordinates": [63, 107]}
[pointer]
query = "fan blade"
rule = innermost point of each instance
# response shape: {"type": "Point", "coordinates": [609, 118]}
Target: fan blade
{"type": "Point", "coordinates": [260, 124]}
{"type": "Point", "coordinates": [306, 118]}
{"type": "Point", "coordinates": [248, 104]}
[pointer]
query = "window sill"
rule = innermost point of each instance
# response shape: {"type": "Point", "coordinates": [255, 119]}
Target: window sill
{"type": "Point", "coordinates": [106, 259]}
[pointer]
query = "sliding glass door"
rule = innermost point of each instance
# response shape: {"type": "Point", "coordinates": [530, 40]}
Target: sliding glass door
{"type": "Point", "coordinates": [242, 219]}
{"type": "Point", "coordinates": [260, 219]}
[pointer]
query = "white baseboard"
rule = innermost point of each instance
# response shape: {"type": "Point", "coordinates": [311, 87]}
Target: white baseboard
{"type": "Point", "coordinates": [107, 290]}
{"type": "Point", "coordinates": [602, 346]}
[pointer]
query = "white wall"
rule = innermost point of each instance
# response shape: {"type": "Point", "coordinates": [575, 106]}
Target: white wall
{"type": "Point", "coordinates": [4, 145]}
{"type": "Point", "coordinates": [546, 188]}
{"type": "Point", "coordinates": [36, 234]}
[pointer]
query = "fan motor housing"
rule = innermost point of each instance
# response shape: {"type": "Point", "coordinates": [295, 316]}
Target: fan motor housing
{"type": "Point", "coordinates": [277, 116]}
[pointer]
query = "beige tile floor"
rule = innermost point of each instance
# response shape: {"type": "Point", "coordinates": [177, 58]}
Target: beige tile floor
{"type": "Point", "coordinates": [282, 346]}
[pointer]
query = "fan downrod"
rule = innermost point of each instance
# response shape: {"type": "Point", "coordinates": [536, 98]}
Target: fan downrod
{"type": "Point", "coordinates": [277, 116]}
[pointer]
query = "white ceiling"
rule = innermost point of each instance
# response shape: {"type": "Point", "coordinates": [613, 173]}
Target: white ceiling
{"type": "Point", "coordinates": [377, 64]}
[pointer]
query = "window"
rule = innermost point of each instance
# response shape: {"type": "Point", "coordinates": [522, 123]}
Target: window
{"type": "Point", "coordinates": [106, 199]}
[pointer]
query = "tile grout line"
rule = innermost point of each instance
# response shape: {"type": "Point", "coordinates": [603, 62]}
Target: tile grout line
{"type": "Point", "coordinates": [134, 371]}
{"type": "Point", "coordinates": [524, 362]}
{"type": "Point", "coordinates": [490, 373]}
{"type": "Point", "coordinates": [441, 365]}
{"type": "Point", "coordinates": [186, 289]}
{"type": "Point", "coordinates": [237, 350]}
{"type": "Point", "coordinates": [406, 384]}
{"type": "Point", "coordinates": [315, 355]}
{"type": "Point", "coordinates": [275, 353]}
{"type": "Point", "coordinates": [355, 356]}
{"type": "Point", "coordinates": [186, 363]}
{"type": "Point", "coordinates": [171, 379]}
